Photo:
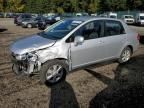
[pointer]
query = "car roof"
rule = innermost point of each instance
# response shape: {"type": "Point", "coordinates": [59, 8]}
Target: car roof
{"type": "Point", "coordinates": [88, 18]}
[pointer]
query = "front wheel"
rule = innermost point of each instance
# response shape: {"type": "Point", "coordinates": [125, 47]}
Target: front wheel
{"type": "Point", "coordinates": [53, 72]}
{"type": "Point", "coordinates": [29, 25]}
{"type": "Point", "coordinates": [16, 69]}
{"type": "Point", "coordinates": [125, 55]}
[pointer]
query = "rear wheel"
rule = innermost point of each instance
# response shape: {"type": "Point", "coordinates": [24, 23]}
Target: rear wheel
{"type": "Point", "coordinates": [53, 72]}
{"type": "Point", "coordinates": [125, 55]}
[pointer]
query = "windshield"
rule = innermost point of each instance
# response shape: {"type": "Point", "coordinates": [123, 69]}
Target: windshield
{"type": "Point", "coordinates": [60, 29]}
{"type": "Point", "coordinates": [128, 16]}
{"type": "Point", "coordinates": [142, 17]}
{"type": "Point", "coordinates": [112, 16]}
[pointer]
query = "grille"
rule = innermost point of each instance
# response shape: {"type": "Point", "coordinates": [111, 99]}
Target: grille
{"type": "Point", "coordinates": [129, 20]}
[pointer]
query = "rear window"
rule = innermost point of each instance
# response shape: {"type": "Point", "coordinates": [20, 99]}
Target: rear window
{"type": "Point", "coordinates": [25, 16]}
{"type": "Point", "coordinates": [113, 28]}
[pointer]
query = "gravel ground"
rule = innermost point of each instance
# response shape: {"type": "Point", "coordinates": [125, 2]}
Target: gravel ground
{"type": "Point", "coordinates": [104, 85]}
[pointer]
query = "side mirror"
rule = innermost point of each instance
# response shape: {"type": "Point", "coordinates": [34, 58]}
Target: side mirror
{"type": "Point", "coordinates": [78, 40]}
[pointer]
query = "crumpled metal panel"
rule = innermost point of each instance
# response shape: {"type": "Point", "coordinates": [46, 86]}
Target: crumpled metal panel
{"type": "Point", "coordinates": [56, 51]}
{"type": "Point", "coordinates": [29, 44]}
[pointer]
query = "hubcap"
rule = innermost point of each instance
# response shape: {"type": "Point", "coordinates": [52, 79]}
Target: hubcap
{"type": "Point", "coordinates": [54, 73]}
{"type": "Point", "coordinates": [29, 26]}
{"type": "Point", "coordinates": [126, 55]}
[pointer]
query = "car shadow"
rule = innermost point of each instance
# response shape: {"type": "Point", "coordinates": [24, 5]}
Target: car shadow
{"type": "Point", "coordinates": [142, 39]}
{"type": "Point", "coordinates": [126, 90]}
{"type": "Point", "coordinates": [3, 30]}
{"type": "Point", "coordinates": [63, 96]}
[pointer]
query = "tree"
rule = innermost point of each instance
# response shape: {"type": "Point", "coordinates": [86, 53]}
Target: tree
{"type": "Point", "coordinates": [117, 5]}
{"type": "Point", "coordinates": [11, 6]}
{"type": "Point", "coordinates": [103, 6]}
{"type": "Point", "coordinates": [3, 5]}
{"type": "Point", "coordinates": [74, 4]}
{"type": "Point", "coordinates": [60, 10]}
{"type": "Point", "coordinates": [61, 6]}
{"type": "Point", "coordinates": [134, 4]}
{"type": "Point", "coordinates": [30, 6]}
{"type": "Point", "coordinates": [15, 5]}
{"type": "Point", "coordinates": [92, 7]}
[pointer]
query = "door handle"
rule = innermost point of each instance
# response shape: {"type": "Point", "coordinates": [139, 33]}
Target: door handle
{"type": "Point", "coordinates": [101, 42]}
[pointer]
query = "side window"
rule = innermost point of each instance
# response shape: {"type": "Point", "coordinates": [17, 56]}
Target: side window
{"type": "Point", "coordinates": [91, 30]}
{"type": "Point", "coordinates": [27, 16]}
{"type": "Point", "coordinates": [113, 28]}
{"type": "Point", "coordinates": [22, 16]}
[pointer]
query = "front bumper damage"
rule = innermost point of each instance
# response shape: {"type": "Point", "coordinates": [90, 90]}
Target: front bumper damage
{"type": "Point", "coordinates": [26, 66]}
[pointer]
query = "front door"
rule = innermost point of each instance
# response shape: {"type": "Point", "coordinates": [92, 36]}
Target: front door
{"type": "Point", "coordinates": [92, 49]}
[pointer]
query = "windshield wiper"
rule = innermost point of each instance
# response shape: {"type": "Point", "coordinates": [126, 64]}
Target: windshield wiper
{"type": "Point", "coordinates": [42, 33]}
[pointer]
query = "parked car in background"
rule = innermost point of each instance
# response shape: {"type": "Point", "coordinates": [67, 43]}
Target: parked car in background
{"type": "Point", "coordinates": [16, 15]}
{"type": "Point", "coordinates": [18, 19]}
{"type": "Point", "coordinates": [1, 15]}
{"type": "Point", "coordinates": [9, 15]}
{"type": "Point", "coordinates": [103, 15]}
{"type": "Point", "coordinates": [140, 19]}
{"type": "Point", "coordinates": [81, 14]}
{"type": "Point", "coordinates": [29, 23]}
{"type": "Point", "coordinates": [94, 14]}
{"type": "Point", "coordinates": [129, 19]}
{"type": "Point", "coordinates": [78, 14]}
{"type": "Point", "coordinates": [73, 43]}
{"type": "Point", "coordinates": [42, 24]}
{"type": "Point", "coordinates": [32, 22]}
{"type": "Point", "coordinates": [112, 15]}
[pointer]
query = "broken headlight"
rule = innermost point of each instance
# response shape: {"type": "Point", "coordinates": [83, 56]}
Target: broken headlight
{"type": "Point", "coordinates": [32, 57]}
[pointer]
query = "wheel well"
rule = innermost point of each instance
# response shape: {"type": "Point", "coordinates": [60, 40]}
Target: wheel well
{"type": "Point", "coordinates": [130, 48]}
{"type": "Point", "coordinates": [61, 59]}
{"type": "Point", "coordinates": [66, 61]}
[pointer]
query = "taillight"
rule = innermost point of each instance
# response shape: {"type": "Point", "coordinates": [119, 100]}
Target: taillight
{"type": "Point", "coordinates": [138, 36]}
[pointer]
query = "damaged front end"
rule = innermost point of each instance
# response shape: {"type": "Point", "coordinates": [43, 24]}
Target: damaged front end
{"type": "Point", "coordinates": [26, 63]}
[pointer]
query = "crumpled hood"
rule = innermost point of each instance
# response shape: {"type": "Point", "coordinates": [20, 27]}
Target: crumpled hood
{"type": "Point", "coordinates": [32, 43]}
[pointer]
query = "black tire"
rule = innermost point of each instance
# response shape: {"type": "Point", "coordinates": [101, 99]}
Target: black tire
{"type": "Point", "coordinates": [121, 60]}
{"type": "Point", "coordinates": [49, 64]}
{"type": "Point", "coordinates": [16, 70]}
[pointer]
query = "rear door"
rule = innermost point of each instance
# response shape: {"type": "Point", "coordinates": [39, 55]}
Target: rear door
{"type": "Point", "coordinates": [114, 38]}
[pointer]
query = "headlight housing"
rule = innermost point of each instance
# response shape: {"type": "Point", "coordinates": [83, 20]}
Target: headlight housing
{"type": "Point", "coordinates": [32, 57]}
{"type": "Point", "coordinates": [24, 23]}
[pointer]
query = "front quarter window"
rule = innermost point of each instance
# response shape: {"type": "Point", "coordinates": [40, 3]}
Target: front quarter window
{"type": "Point", "coordinates": [60, 29]}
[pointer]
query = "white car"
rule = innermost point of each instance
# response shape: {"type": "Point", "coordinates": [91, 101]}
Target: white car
{"type": "Point", "coordinates": [112, 15]}
{"type": "Point", "coordinates": [140, 19]}
{"type": "Point", "coordinates": [129, 19]}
